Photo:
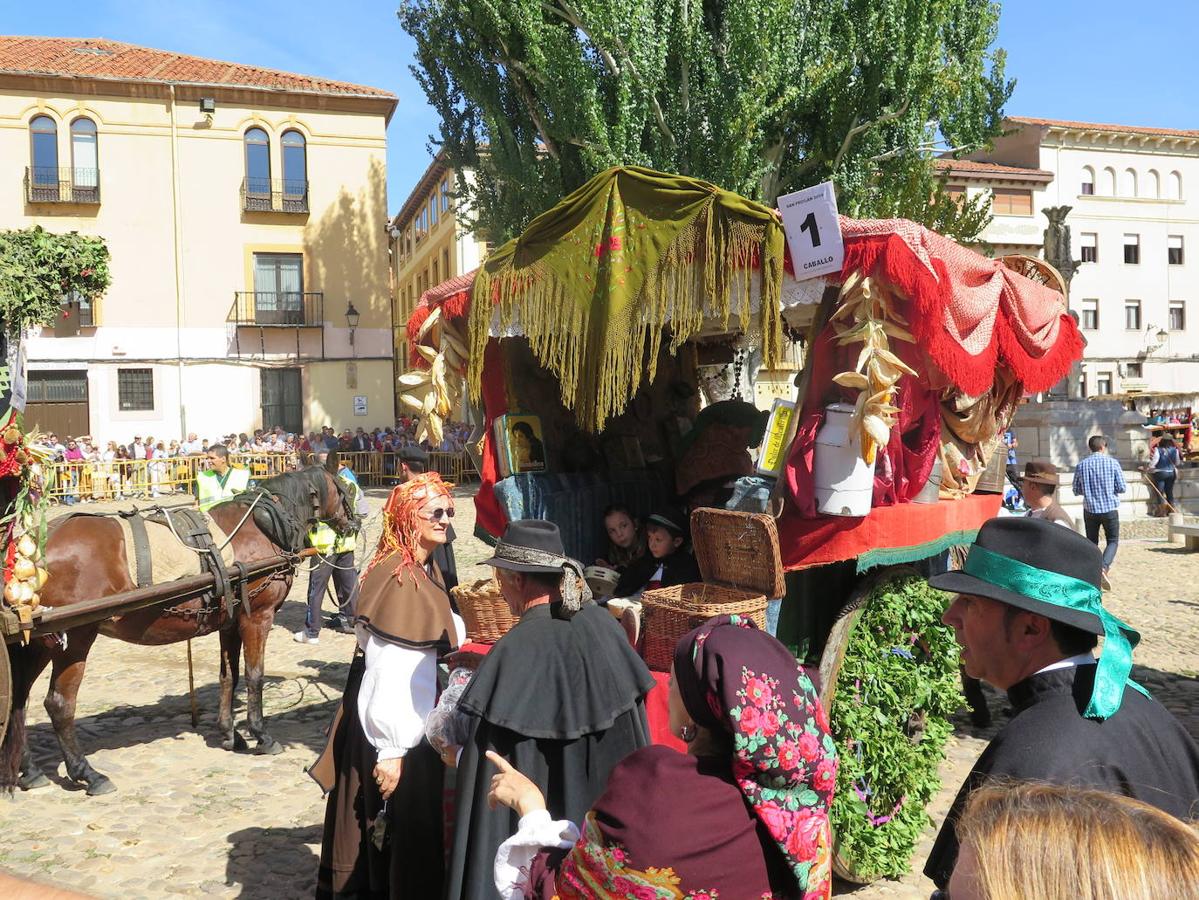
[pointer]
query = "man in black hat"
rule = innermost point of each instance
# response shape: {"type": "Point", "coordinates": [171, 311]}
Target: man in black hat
{"type": "Point", "coordinates": [1027, 614]}
{"type": "Point", "coordinates": [415, 461]}
{"type": "Point", "coordinates": [561, 696]}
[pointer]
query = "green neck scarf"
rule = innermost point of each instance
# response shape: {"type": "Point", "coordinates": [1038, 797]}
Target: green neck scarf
{"type": "Point", "coordinates": [1115, 662]}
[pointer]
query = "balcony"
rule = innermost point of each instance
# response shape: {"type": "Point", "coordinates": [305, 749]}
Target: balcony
{"type": "Point", "coordinates": [46, 184]}
{"type": "Point", "coordinates": [278, 309]}
{"type": "Point", "coordinates": [274, 195]}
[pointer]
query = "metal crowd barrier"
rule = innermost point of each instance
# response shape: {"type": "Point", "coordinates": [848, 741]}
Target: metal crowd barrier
{"type": "Point", "coordinates": [73, 482]}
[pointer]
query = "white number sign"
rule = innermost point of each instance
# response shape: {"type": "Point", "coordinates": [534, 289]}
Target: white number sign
{"type": "Point", "coordinates": [813, 230]}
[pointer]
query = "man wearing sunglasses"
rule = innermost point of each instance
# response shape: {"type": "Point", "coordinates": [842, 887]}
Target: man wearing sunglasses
{"type": "Point", "coordinates": [415, 461]}
{"type": "Point", "coordinates": [1028, 615]}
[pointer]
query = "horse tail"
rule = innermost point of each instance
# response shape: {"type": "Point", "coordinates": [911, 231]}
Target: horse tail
{"type": "Point", "coordinates": [12, 749]}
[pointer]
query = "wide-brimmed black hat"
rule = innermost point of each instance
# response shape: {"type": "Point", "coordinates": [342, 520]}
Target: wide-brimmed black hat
{"type": "Point", "coordinates": [671, 518]}
{"type": "Point", "coordinates": [1041, 549]}
{"type": "Point", "coordinates": [414, 453]}
{"type": "Point", "coordinates": [529, 545]}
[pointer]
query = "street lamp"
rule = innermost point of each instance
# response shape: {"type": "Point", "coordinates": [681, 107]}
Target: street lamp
{"type": "Point", "coordinates": [351, 320]}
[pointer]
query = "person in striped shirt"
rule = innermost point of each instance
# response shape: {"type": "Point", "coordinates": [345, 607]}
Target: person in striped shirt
{"type": "Point", "coordinates": [1098, 480]}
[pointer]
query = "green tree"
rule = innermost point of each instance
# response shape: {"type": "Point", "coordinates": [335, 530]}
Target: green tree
{"type": "Point", "coordinates": [762, 97]}
{"type": "Point", "coordinates": [39, 268]}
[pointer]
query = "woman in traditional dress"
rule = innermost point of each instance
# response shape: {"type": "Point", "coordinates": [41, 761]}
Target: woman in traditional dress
{"type": "Point", "coordinates": [383, 822]}
{"type": "Point", "coordinates": [743, 814]}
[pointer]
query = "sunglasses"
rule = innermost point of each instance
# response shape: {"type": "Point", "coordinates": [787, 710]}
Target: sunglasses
{"type": "Point", "coordinates": [436, 515]}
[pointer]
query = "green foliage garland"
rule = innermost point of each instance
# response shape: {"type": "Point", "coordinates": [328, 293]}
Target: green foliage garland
{"type": "Point", "coordinates": [896, 690]}
{"type": "Point", "coordinates": [39, 269]}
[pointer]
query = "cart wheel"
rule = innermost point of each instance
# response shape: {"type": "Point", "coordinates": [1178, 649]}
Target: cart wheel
{"type": "Point", "coordinates": [909, 722]}
{"type": "Point", "coordinates": [5, 690]}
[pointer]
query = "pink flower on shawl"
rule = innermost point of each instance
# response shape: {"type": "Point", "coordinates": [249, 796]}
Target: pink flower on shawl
{"type": "Point", "coordinates": [809, 746]}
{"type": "Point", "coordinates": [789, 756]}
{"type": "Point", "coordinates": [778, 821]}
{"type": "Point", "coordinates": [758, 692]}
{"type": "Point", "coordinates": [770, 723]}
{"type": "Point", "coordinates": [623, 886]}
{"type": "Point", "coordinates": [804, 841]}
{"type": "Point", "coordinates": [644, 892]}
{"type": "Point", "coordinates": [743, 768]}
{"type": "Point", "coordinates": [751, 720]}
{"type": "Point", "coordinates": [816, 709]}
{"type": "Point", "coordinates": [825, 778]}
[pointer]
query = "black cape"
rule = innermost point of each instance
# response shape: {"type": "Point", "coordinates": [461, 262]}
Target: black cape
{"type": "Point", "coordinates": [443, 556]}
{"type": "Point", "coordinates": [678, 568]}
{"type": "Point", "coordinates": [564, 702]}
{"type": "Point", "coordinates": [1142, 752]}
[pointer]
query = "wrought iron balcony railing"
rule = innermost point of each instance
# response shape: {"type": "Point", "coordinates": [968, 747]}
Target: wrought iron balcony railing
{"type": "Point", "coordinates": [48, 184]}
{"type": "Point", "coordinates": [278, 309]}
{"type": "Point", "coordinates": [282, 195]}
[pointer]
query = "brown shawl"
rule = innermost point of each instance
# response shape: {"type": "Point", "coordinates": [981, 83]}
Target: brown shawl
{"type": "Point", "coordinates": [409, 608]}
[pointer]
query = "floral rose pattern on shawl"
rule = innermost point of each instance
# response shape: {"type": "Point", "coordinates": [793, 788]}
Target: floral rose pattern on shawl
{"type": "Point", "coordinates": [784, 758]}
{"type": "Point", "coordinates": [597, 868]}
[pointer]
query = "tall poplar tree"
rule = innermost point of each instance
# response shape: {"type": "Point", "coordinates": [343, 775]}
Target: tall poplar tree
{"type": "Point", "coordinates": [762, 97]}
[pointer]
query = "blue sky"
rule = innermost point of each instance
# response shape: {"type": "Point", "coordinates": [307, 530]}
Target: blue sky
{"type": "Point", "coordinates": [1090, 60]}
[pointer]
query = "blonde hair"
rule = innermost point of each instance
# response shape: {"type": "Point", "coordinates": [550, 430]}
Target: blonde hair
{"type": "Point", "coordinates": [1046, 842]}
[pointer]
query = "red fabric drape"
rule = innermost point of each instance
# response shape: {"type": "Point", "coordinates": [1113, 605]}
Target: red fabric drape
{"type": "Point", "coordinates": [489, 515]}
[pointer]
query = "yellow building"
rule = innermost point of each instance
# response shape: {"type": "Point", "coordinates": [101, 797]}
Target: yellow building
{"type": "Point", "coordinates": [430, 243]}
{"type": "Point", "coordinates": [245, 210]}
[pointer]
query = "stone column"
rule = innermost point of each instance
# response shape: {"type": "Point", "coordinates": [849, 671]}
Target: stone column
{"type": "Point", "coordinates": [1057, 253]}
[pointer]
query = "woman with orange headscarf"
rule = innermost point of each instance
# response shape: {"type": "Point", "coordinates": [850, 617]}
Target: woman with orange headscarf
{"type": "Point", "coordinates": [383, 819]}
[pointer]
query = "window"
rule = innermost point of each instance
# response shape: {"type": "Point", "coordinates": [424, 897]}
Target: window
{"type": "Point", "coordinates": [279, 288]}
{"type": "Point", "coordinates": [1109, 182]}
{"type": "Point", "coordinates": [1132, 315]}
{"type": "Point", "coordinates": [1087, 186]}
{"type": "Point", "coordinates": [433, 208]}
{"type": "Point", "coordinates": [1178, 315]}
{"type": "Point", "coordinates": [1128, 183]}
{"type": "Point", "coordinates": [135, 389]}
{"type": "Point", "coordinates": [445, 193]}
{"type": "Point", "coordinates": [956, 193]}
{"type": "Point", "coordinates": [85, 170]}
{"type": "Point", "coordinates": [1174, 249]}
{"type": "Point", "coordinates": [1090, 315]}
{"type": "Point", "coordinates": [1132, 249]}
{"type": "Point", "coordinates": [43, 152]}
{"type": "Point", "coordinates": [1153, 184]}
{"type": "Point", "coordinates": [1089, 245]}
{"type": "Point", "coordinates": [258, 163]}
{"type": "Point", "coordinates": [1011, 202]}
{"type": "Point", "coordinates": [1103, 383]}
{"type": "Point", "coordinates": [1174, 186]}
{"type": "Point", "coordinates": [436, 273]}
{"type": "Point", "coordinates": [445, 264]}
{"type": "Point", "coordinates": [282, 399]}
{"type": "Point", "coordinates": [1134, 370]}
{"type": "Point", "coordinates": [408, 241]}
{"type": "Point", "coordinates": [295, 167]}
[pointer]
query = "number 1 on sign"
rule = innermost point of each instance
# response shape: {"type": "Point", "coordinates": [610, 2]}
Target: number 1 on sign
{"type": "Point", "coordinates": [809, 225]}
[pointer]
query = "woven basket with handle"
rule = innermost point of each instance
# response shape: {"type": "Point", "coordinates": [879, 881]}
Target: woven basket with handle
{"type": "Point", "coordinates": [739, 558]}
{"type": "Point", "coordinates": [484, 610]}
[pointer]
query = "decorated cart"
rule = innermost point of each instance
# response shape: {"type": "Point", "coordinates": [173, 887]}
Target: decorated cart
{"type": "Point", "coordinates": [604, 325]}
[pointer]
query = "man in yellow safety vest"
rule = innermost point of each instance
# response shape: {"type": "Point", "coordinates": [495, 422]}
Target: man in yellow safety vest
{"type": "Point", "coordinates": [336, 561]}
{"type": "Point", "coordinates": [219, 481]}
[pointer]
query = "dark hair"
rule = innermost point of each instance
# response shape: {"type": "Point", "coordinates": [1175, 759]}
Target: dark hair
{"type": "Point", "coordinates": [545, 581]}
{"type": "Point", "coordinates": [615, 508]}
{"type": "Point", "coordinates": [220, 450]}
{"type": "Point", "coordinates": [1097, 443]}
{"type": "Point", "coordinates": [1166, 441]}
{"type": "Point", "coordinates": [1072, 641]}
{"type": "Point", "coordinates": [414, 466]}
{"type": "Point", "coordinates": [524, 428]}
{"type": "Point", "coordinates": [1048, 489]}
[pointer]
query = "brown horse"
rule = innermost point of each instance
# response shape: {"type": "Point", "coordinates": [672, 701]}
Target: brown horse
{"type": "Point", "coordinates": [86, 559]}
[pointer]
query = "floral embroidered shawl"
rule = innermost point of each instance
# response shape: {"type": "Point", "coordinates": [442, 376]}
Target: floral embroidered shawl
{"type": "Point", "coordinates": [736, 679]}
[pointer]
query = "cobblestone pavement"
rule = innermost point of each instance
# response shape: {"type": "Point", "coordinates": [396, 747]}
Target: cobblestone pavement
{"type": "Point", "coordinates": [191, 819]}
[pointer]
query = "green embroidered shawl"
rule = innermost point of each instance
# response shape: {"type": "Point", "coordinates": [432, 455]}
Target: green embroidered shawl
{"type": "Point", "coordinates": [593, 281]}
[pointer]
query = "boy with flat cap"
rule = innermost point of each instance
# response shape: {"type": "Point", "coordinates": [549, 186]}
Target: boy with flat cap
{"type": "Point", "coordinates": [561, 696]}
{"type": "Point", "coordinates": [1028, 614]}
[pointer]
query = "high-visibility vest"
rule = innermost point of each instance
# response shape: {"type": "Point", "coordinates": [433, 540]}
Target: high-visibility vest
{"type": "Point", "coordinates": [210, 491]}
{"type": "Point", "coordinates": [327, 541]}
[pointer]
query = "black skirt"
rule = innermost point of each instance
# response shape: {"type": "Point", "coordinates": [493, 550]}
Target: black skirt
{"type": "Point", "coordinates": [411, 865]}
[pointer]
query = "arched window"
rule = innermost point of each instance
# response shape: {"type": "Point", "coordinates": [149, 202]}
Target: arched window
{"type": "Point", "coordinates": [84, 160]}
{"type": "Point", "coordinates": [43, 153]}
{"type": "Point", "coordinates": [1153, 184]}
{"type": "Point", "coordinates": [1087, 181]}
{"type": "Point", "coordinates": [295, 170]}
{"type": "Point", "coordinates": [1109, 182]}
{"type": "Point", "coordinates": [1128, 183]}
{"type": "Point", "coordinates": [258, 164]}
{"type": "Point", "coordinates": [1174, 186]}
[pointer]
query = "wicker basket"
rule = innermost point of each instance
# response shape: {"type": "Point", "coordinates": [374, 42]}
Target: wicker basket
{"type": "Point", "coordinates": [738, 556]}
{"type": "Point", "coordinates": [484, 610]}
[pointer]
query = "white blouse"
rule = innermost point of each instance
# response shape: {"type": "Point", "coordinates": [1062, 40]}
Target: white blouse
{"type": "Point", "coordinates": [536, 831]}
{"type": "Point", "coordinates": [398, 691]}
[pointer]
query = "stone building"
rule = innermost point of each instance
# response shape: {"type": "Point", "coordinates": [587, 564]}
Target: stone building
{"type": "Point", "coordinates": [245, 210]}
{"type": "Point", "coordinates": [1135, 229]}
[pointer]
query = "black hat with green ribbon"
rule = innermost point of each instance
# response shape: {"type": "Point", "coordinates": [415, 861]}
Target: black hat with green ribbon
{"type": "Point", "coordinates": [1039, 566]}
